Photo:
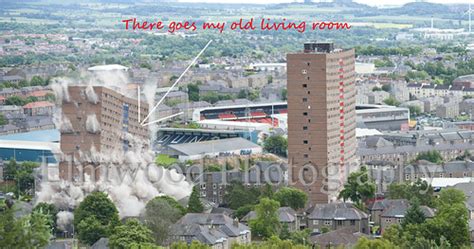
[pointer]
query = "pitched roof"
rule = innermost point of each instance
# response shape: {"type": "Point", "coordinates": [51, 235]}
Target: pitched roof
{"type": "Point", "coordinates": [336, 211]}
{"type": "Point", "coordinates": [285, 215]}
{"type": "Point", "coordinates": [38, 104]}
{"type": "Point", "coordinates": [336, 238]}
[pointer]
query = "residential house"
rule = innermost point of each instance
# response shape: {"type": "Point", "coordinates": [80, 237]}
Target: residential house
{"type": "Point", "coordinates": [334, 216]}
{"type": "Point", "coordinates": [216, 230]}
{"type": "Point", "coordinates": [387, 212]}
{"type": "Point", "coordinates": [377, 97]}
{"type": "Point", "coordinates": [286, 215]}
{"type": "Point", "coordinates": [448, 110]}
{"type": "Point", "coordinates": [431, 103]}
{"type": "Point", "coordinates": [341, 238]}
{"type": "Point", "coordinates": [399, 91]}
{"type": "Point", "coordinates": [38, 108]}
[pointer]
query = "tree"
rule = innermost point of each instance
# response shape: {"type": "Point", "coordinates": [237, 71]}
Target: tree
{"type": "Point", "coordinates": [386, 88]}
{"type": "Point", "coordinates": [365, 243]}
{"type": "Point", "coordinates": [15, 100]}
{"type": "Point", "coordinates": [95, 217]}
{"type": "Point", "coordinates": [359, 187]}
{"type": "Point", "coordinates": [244, 210]}
{"type": "Point", "coordinates": [90, 230]}
{"type": "Point", "coordinates": [450, 196]}
{"type": "Point", "coordinates": [30, 231]}
{"type": "Point", "coordinates": [160, 213]}
{"type": "Point", "coordinates": [266, 223]}
{"type": "Point", "coordinates": [272, 243]}
{"type": "Point", "coordinates": [193, 92]}
{"type": "Point", "coordinates": [432, 156]}
{"type": "Point", "coordinates": [414, 110]}
{"type": "Point", "coordinates": [284, 94]}
{"type": "Point", "coordinates": [37, 81]}
{"type": "Point", "coordinates": [420, 190]}
{"type": "Point", "coordinates": [451, 221]}
{"type": "Point", "coordinates": [50, 211]}
{"type": "Point", "coordinates": [3, 120]}
{"type": "Point", "coordinates": [276, 144]}
{"type": "Point", "coordinates": [194, 245]}
{"type": "Point", "coordinates": [239, 196]}
{"type": "Point", "coordinates": [391, 101]}
{"type": "Point", "coordinates": [291, 197]}
{"type": "Point", "coordinates": [414, 214]}
{"type": "Point", "coordinates": [195, 204]}
{"type": "Point", "coordinates": [131, 233]}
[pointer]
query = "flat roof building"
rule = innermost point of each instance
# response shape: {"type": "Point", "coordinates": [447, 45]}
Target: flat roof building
{"type": "Point", "coordinates": [99, 120]}
{"type": "Point", "coordinates": [321, 119]}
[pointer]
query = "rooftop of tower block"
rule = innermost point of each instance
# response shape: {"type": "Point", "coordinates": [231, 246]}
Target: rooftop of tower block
{"type": "Point", "coordinates": [319, 47]}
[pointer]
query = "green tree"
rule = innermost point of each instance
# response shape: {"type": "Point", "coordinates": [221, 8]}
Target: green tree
{"type": "Point", "coordinates": [391, 101]}
{"type": "Point", "coordinates": [193, 92]}
{"type": "Point", "coordinates": [266, 223]}
{"type": "Point", "coordinates": [276, 144]}
{"type": "Point", "coordinates": [451, 221]}
{"type": "Point", "coordinates": [432, 156]}
{"type": "Point", "coordinates": [420, 190]}
{"type": "Point", "coordinates": [414, 214]}
{"type": "Point", "coordinates": [365, 243]}
{"type": "Point", "coordinates": [450, 196]}
{"type": "Point", "coordinates": [50, 211]}
{"type": "Point", "coordinates": [244, 210]}
{"type": "Point", "coordinates": [284, 94]}
{"type": "Point", "coordinates": [160, 214]}
{"type": "Point", "coordinates": [291, 197]}
{"type": "Point", "coordinates": [195, 204]}
{"type": "Point", "coordinates": [359, 187]}
{"type": "Point", "coordinates": [386, 88]}
{"type": "Point", "coordinates": [95, 217]}
{"type": "Point", "coordinates": [9, 228]}
{"type": "Point", "coordinates": [30, 231]}
{"type": "Point", "coordinates": [239, 195]}
{"type": "Point", "coordinates": [15, 100]}
{"type": "Point", "coordinates": [37, 81]}
{"type": "Point", "coordinates": [90, 230]}
{"type": "Point", "coordinates": [272, 243]}
{"type": "Point", "coordinates": [3, 120]}
{"type": "Point", "coordinates": [194, 245]}
{"type": "Point", "coordinates": [414, 110]}
{"type": "Point", "coordinates": [131, 233]}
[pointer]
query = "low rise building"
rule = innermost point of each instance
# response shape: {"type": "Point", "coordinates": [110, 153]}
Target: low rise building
{"type": "Point", "coordinates": [387, 212]}
{"type": "Point", "coordinates": [286, 215]}
{"type": "Point", "coordinates": [218, 231]}
{"type": "Point", "coordinates": [334, 216]}
{"type": "Point", "coordinates": [448, 110]}
{"type": "Point", "coordinates": [38, 108]}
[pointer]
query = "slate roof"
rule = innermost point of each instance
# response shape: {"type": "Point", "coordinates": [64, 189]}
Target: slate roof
{"type": "Point", "coordinates": [208, 228]}
{"type": "Point", "coordinates": [397, 208]}
{"type": "Point", "coordinates": [285, 215]}
{"type": "Point", "coordinates": [344, 237]}
{"type": "Point", "coordinates": [334, 211]}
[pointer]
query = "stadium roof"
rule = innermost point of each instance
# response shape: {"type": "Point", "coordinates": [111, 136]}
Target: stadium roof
{"type": "Point", "coordinates": [109, 67]}
{"type": "Point", "coordinates": [52, 135]}
{"type": "Point", "coordinates": [29, 145]}
{"type": "Point", "coordinates": [216, 146]}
